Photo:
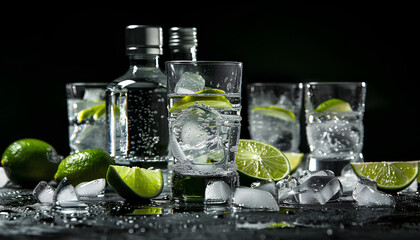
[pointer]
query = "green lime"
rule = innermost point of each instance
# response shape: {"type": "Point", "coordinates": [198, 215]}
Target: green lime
{"type": "Point", "coordinates": [418, 177]}
{"type": "Point", "coordinates": [295, 159]}
{"type": "Point", "coordinates": [212, 101]}
{"type": "Point", "coordinates": [333, 105]}
{"type": "Point", "coordinates": [260, 161]}
{"type": "Point", "coordinates": [29, 161]}
{"type": "Point", "coordinates": [276, 112]}
{"type": "Point", "coordinates": [84, 166]}
{"type": "Point", "coordinates": [96, 112]}
{"type": "Point", "coordinates": [388, 175]}
{"type": "Point", "coordinates": [134, 183]}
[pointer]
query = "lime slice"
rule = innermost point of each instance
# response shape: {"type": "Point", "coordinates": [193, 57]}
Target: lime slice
{"type": "Point", "coordinates": [295, 159]}
{"type": "Point", "coordinates": [388, 175]}
{"type": "Point", "coordinates": [212, 101]}
{"type": "Point", "coordinates": [95, 111]}
{"type": "Point", "coordinates": [261, 161]}
{"type": "Point", "coordinates": [134, 183]}
{"type": "Point", "coordinates": [333, 105]}
{"type": "Point", "coordinates": [276, 112]}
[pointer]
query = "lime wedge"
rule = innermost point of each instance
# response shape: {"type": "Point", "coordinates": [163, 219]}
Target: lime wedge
{"type": "Point", "coordinates": [95, 111]}
{"type": "Point", "coordinates": [134, 183]}
{"type": "Point", "coordinates": [388, 175]}
{"type": "Point", "coordinates": [212, 101]}
{"type": "Point", "coordinates": [261, 161]}
{"type": "Point", "coordinates": [333, 105]}
{"type": "Point", "coordinates": [276, 112]}
{"type": "Point", "coordinates": [295, 159]}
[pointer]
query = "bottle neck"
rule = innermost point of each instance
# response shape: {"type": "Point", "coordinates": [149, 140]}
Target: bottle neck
{"type": "Point", "coordinates": [183, 54]}
{"type": "Point", "coordinates": [146, 60]}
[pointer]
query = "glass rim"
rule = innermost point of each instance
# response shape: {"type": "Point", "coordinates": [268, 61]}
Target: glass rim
{"type": "Point", "coordinates": [336, 83]}
{"type": "Point", "coordinates": [203, 62]}
{"type": "Point", "coordinates": [276, 84]}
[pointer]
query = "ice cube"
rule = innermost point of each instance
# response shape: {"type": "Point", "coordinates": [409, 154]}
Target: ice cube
{"type": "Point", "coordinates": [189, 83]}
{"type": "Point", "coordinates": [94, 188]}
{"type": "Point", "coordinates": [412, 188]}
{"type": "Point", "coordinates": [89, 135]}
{"type": "Point", "coordinates": [348, 179]}
{"type": "Point", "coordinates": [366, 194]}
{"type": "Point", "coordinates": [254, 198]}
{"type": "Point", "coordinates": [266, 186]}
{"type": "Point", "coordinates": [196, 131]}
{"type": "Point", "coordinates": [3, 177]}
{"type": "Point", "coordinates": [318, 190]}
{"type": "Point", "coordinates": [65, 192]}
{"type": "Point", "coordinates": [94, 94]}
{"type": "Point", "coordinates": [43, 193]}
{"type": "Point", "coordinates": [308, 174]}
{"type": "Point", "coordinates": [217, 192]}
{"type": "Point", "coordinates": [284, 189]}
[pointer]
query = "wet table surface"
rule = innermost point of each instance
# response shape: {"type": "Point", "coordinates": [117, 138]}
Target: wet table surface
{"type": "Point", "coordinates": [111, 217]}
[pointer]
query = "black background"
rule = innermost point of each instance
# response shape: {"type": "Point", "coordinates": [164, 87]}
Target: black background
{"type": "Point", "coordinates": [43, 48]}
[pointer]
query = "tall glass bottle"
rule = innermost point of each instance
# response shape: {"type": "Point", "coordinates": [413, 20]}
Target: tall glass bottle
{"type": "Point", "coordinates": [137, 127]}
{"type": "Point", "coordinates": [183, 43]}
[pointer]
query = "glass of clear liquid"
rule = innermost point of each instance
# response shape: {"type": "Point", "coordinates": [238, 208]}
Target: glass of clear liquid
{"type": "Point", "coordinates": [204, 125]}
{"type": "Point", "coordinates": [274, 114]}
{"type": "Point", "coordinates": [334, 124]}
{"type": "Point", "coordinates": [86, 115]}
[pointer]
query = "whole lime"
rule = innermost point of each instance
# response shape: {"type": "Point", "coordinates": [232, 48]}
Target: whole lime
{"type": "Point", "coordinates": [84, 166]}
{"type": "Point", "coordinates": [29, 161]}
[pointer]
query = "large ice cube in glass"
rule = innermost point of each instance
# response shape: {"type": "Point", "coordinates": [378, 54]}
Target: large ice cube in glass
{"type": "Point", "coordinates": [89, 135]}
{"type": "Point", "coordinates": [197, 133]}
{"type": "Point", "coordinates": [366, 194]}
{"type": "Point", "coordinates": [217, 192]}
{"type": "Point", "coordinates": [94, 94]}
{"type": "Point", "coordinates": [189, 83]}
{"type": "Point", "coordinates": [43, 193]}
{"type": "Point", "coordinates": [318, 190]}
{"type": "Point", "coordinates": [94, 188]}
{"type": "Point", "coordinates": [247, 197]}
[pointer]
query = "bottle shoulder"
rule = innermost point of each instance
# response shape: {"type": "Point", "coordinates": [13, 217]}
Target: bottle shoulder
{"type": "Point", "coordinates": [141, 76]}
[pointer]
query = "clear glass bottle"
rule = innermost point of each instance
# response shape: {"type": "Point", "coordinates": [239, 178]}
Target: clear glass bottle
{"type": "Point", "coordinates": [183, 43]}
{"type": "Point", "coordinates": [137, 125]}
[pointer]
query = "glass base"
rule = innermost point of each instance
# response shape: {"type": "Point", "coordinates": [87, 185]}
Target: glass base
{"type": "Point", "coordinates": [335, 163]}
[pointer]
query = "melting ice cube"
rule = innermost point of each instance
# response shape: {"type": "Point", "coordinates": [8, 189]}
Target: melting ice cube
{"type": "Point", "coordinates": [65, 192]}
{"type": "Point", "coordinates": [268, 186]}
{"type": "Point", "coordinates": [254, 198]}
{"type": "Point", "coordinates": [196, 132]}
{"type": "Point", "coordinates": [308, 174]}
{"type": "Point", "coordinates": [93, 188]}
{"type": "Point", "coordinates": [189, 83]}
{"type": "Point", "coordinates": [348, 179]}
{"type": "Point", "coordinates": [366, 194]}
{"type": "Point", "coordinates": [217, 192]}
{"type": "Point", "coordinates": [3, 177]}
{"type": "Point", "coordinates": [318, 190]}
{"type": "Point", "coordinates": [43, 193]}
{"type": "Point", "coordinates": [284, 189]}
{"type": "Point", "coordinates": [94, 94]}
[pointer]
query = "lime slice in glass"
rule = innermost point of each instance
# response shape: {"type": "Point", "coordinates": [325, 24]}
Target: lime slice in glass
{"type": "Point", "coordinates": [333, 105]}
{"type": "Point", "coordinates": [95, 111]}
{"type": "Point", "coordinates": [261, 161]}
{"type": "Point", "coordinates": [392, 176]}
{"type": "Point", "coordinates": [276, 112]}
{"type": "Point", "coordinates": [212, 101]}
{"type": "Point", "coordinates": [295, 159]}
{"type": "Point", "coordinates": [134, 183]}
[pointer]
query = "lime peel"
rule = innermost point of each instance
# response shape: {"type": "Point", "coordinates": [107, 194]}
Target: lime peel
{"type": "Point", "coordinates": [276, 112]}
{"type": "Point", "coordinates": [96, 111]}
{"type": "Point", "coordinates": [334, 105]}
{"type": "Point", "coordinates": [212, 101]}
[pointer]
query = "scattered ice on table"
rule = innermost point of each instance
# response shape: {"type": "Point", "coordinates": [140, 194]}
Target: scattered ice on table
{"type": "Point", "coordinates": [197, 133]}
{"type": "Point", "coordinates": [284, 189]}
{"type": "Point", "coordinates": [254, 198]}
{"type": "Point", "coordinates": [94, 94]}
{"type": "Point", "coordinates": [217, 192]}
{"type": "Point", "coordinates": [348, 179]}
{"type": "Point", "coordinates": [189, 83]}
{"type": "Point", "coordinates": [44, 193]}
{"type": "Point", "coordinates": [266, 186]}
{"type": "Point", "coordinates": [318, 190]}
{"type": "Point", "coordinates": [65, 192]}
{"type": "Point", "coordinates": [366, 194]}
{"type": "Point", "coordinates": [3, 177]}
{"type": "Point", "coordinates": [94, 188]}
